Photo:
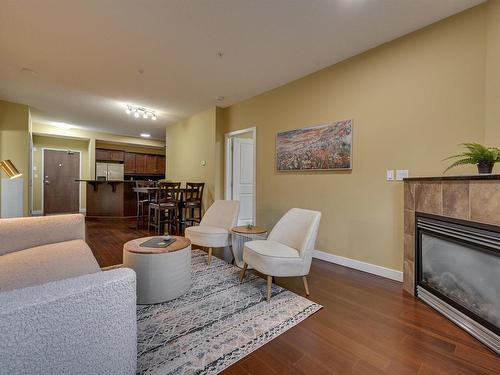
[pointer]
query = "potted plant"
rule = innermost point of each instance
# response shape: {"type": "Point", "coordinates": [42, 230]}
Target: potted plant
{"type": "Point", "coordinates": [482, 156]}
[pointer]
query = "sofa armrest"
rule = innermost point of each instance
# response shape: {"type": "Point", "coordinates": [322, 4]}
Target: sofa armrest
{"type": "Point", "coordinates": [82, 325]}
{"type": "Point", "coordinates": [24, 233]}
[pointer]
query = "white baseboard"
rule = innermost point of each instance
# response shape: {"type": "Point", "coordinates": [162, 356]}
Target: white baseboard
{"type": "Point", "coordinates": [359, 265]}
{"type": "Point", "coordinates": [83, 211]}
{"type": "Point", "coordinates": [37, 213]}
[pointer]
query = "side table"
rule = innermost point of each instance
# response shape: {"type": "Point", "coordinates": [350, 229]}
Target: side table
{"type": "Point", "coordinates": [242, 234]}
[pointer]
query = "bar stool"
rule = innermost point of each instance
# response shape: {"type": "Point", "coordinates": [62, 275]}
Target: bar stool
{"type": "Point", "coordinates": [166, 208]}
{"type": "Point", "coordinates": [193, 195]}
{"type": "Point", "coordinates": [143, 200]}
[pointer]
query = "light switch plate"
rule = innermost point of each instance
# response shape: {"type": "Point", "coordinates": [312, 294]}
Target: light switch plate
{"type": "Point", "coordinates": [390, 175]}
{"type": "Point", "coordinates": [203, 163]}
{"type": "Point", "coordinates": [401, 173]}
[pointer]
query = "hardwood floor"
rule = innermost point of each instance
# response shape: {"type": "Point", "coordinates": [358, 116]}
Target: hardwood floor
{"type": "Point", "coordinates": [368, 324]}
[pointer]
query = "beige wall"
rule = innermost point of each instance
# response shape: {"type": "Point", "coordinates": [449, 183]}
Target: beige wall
{"type": "Point", "coordinates": [412, 100]}
{"type": "Point", "coordinates": [189, 143]}
{"type": "Point", "coordinates": [14, 142]}
{"type": "Point", "coordinates": [131, 148]}
{"type": "Point", "coordinates": [94, 137]}
{"type": "Point", "coordinates": [42, 142]}
{"type": "Point", "coordinates": [493, 73]}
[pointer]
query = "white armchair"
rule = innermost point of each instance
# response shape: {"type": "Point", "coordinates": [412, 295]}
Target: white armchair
{"type": "Point", "coordinates": [287, 252]}
{"type": "Point", "coordinates": [215, 226]}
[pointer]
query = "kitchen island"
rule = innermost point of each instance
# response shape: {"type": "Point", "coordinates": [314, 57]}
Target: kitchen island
{"type": "Point", "coordinates": [110, 198]}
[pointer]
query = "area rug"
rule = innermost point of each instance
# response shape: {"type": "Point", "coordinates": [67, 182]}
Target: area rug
{"type": "Point", "coordinates": [218, 322]}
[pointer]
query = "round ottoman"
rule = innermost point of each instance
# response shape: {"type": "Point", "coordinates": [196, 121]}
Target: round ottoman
{"type": "Point", "coordinates": [162, 273]}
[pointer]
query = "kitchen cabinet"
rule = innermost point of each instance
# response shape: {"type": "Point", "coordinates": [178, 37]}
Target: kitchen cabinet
{"type": "Point", "coordinates": [160, 164]}
{"type": "Point", "coordinates": [150, 167]}
{"type": "Point", "coordinates": [140, 163]}
{"type": "Point", "coordinates": [129, 163]}
{"type": "Point", "coordinates": [133, 163]}
{"type": "Point", "coordinates": [116, 155]}
{"type": "Point", "coordinates": [102, 155]}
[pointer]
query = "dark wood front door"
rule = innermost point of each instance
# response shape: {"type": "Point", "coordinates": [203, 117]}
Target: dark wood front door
{"type": "Point", "coordinates": [61, 193]}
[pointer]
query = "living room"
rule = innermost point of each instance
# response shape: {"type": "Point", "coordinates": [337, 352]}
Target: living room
{"type": "Point", "coordinates": [237, 96]}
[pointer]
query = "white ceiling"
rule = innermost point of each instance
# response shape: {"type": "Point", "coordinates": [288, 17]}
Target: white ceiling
{"type": "Point", "coordinates": [86, 55]}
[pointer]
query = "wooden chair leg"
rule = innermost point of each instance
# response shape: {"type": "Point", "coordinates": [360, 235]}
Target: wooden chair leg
{"type": "Point", "coordinates": [242, 274]}
{"type": "Point", "coordinates": [209, 255]}
{"type": "Point", "coordinates": [269, 287]}
{"type": "Point", "coordinates": [306, 286]}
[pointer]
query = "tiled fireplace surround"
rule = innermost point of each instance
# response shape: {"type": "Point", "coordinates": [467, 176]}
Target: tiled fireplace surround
{"type": "Point", "coordinates": [475, 198]}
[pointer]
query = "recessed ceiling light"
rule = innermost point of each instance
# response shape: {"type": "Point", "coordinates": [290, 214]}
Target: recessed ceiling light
{"type": "Point", "coordinates": [145, 135]}
{"type": "Point", "coordinates": [153, 117]}
{"type": "Point", "coordinates": [136, 114]}
{"type": "Point", "coordinates": [219, 98]}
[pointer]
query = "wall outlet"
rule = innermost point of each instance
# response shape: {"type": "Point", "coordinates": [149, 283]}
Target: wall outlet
{"type": "Point", "coordinates": [401, 173]}
{"type": "Point", "coordinates": [390, 175]}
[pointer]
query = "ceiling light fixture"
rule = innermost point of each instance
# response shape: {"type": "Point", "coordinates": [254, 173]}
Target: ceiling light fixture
{"type": "Point", "coordinates": [140, 111]}
{"type": "Point", "coordinates": [145, 135]}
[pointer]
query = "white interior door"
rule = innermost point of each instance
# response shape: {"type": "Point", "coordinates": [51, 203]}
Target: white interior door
{"type": "Point", "coordinates": [243, 175]}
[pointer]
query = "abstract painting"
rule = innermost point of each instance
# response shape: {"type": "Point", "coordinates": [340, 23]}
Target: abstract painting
{"type": "Point", "coordinates": [324, 147]}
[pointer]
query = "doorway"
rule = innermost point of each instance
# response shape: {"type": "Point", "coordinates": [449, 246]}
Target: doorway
{"type": "Point", "coordinates": [240, 172]}
{"type": "Point", "coordinates": [61, 191]}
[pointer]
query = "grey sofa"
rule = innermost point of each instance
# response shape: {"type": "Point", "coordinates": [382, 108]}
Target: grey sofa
{"type": "Point", "coordinates": [59, 313]}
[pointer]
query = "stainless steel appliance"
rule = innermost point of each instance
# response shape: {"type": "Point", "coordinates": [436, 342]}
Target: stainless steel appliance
{"type": "Point", "coordinates": [109, 171]}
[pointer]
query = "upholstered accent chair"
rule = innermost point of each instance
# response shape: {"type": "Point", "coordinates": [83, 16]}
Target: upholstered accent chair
{"type": "Point", "coordinates": [215, 226]}
{"type": "Point", "coordinates": [288, 250]}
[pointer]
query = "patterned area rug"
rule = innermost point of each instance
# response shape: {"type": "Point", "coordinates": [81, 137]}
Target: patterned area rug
{"type": "Point", "coordinates": [215, 324]}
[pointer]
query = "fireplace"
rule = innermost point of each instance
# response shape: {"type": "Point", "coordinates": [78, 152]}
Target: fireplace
{"type": "Point", "coordinates": [458, 273]}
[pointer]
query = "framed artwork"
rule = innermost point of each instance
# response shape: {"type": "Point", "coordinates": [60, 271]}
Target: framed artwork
{"type": "Point", "coordinates": [320, 148]}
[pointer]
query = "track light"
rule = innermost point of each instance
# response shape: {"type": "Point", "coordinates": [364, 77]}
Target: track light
{"type": "Point", "coordinates": [141, 111]}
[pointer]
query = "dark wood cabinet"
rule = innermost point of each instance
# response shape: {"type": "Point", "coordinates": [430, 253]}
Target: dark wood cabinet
{"type": "Point", "coordinates": [160, 164]}
{"type": "Point", "coordinates": [150, 167]}
{"type": "Point", "coordinates": [102, 155]}
{"type": "Point", "coordinates": [129, 163]}
{"type": "Point", "coordinates": [134, 163]}
{"type": "Point", "coordinates": [117, 155]}
{"type": "Point", "coordinates": [140, 163]}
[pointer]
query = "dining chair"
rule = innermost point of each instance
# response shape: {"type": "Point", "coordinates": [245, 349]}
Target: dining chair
{"type": "Point", "coordinates": [193, 195]}
{"type": "Point", "coordinates": [215, 226]}
{"type": "Point", "coordinates": [166, 208]}
{"type": "Point", "coordinates": [288, 250]}
{"type": "Point", "coordinates": [143, 201]}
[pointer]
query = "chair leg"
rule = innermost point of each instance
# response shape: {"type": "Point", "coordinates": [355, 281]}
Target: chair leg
{"type": "Point", "coordinates": [209, 255]}
{"type": "Point", "coordinates": [242, 274]}
{"type": "Point", "coordinates": [306, 286]}
{"type": "Point", "coordinates": [269, 287]}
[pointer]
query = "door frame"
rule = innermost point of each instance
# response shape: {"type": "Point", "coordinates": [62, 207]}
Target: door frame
{"type": "Point", "coordinates": [43, 175]}
{"type": "Point", "coordinates": [229, 164]}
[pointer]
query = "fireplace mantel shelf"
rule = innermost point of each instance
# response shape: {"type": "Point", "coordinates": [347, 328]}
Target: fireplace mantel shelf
{"type": "Point", "coordinates": [456, 178]}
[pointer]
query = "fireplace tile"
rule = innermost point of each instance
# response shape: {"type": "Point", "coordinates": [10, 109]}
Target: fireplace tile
{"type": "Point", "coordinates": [409, 195]}
{"type": "Point", "coordinates": [456, 199]}
{"type": "Point", "coordinates": [485, 201]}
{"type": "Point", "coordinates": [409, 222]}
{"type": "Point", "coordinates": [409, 277]}
{"type": "Point", "coordinates": [409, 247]}
{"type": "Point", "coordinates": [428, 197]}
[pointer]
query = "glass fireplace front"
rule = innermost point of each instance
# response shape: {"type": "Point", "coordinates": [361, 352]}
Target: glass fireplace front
{"type": "Point", "coordinates": [458, 273]}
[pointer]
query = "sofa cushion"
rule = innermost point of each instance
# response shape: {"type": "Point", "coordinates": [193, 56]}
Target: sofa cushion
{"type": "Point", "coordinates": [41, 264]}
